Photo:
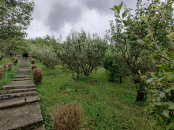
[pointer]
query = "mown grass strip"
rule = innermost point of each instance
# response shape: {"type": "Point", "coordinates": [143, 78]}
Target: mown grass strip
{"type": "Point", "coordinates": [106, 105]}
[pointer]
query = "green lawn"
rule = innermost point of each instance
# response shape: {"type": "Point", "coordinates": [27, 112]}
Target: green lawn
{"type": "Point", "coordinates": [10, 74]}
{"type": "Point", "coordinates": [106, 105]}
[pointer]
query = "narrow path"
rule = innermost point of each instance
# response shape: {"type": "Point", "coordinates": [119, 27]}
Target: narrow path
{"type": "Point", "coordinates": [19, 102]}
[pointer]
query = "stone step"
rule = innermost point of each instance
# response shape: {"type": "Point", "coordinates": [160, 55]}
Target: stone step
{"type": "Point", "coordinates": [20, 79]}
{"type": "Point", "coordinates": [22, 117]}
{"type": "Point", "coordinates": [24, 66]}
{"type": "Point", "coordinates": [22, 76]}
{"type": "Point", "coordinates": [14, 102]}
{"type": "Point", "coordinates": [14, 95]}
{"type": "Point", "coordinates": [19, 84]}
{"type": "Point", "coordinates": [18, 87]}
{"type": "Point", "coordinates": [17, 90]}
{"type": "Point", "coordinates": [23, 71]}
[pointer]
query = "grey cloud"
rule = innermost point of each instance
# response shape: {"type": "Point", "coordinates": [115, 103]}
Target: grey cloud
{"type": "Point", "coordinates": [61, 13]}
{"type": "Point", "coordinates": [72, 11]}
{"type": "Point", "coordinates": [103, 6]}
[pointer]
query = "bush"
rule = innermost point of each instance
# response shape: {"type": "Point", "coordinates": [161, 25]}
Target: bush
{"type": "Point", "coordinates": [15, 60]}
{"type": "Point", "coordinates": [9, 66]}
{"type": "Point", "coordinates": [1, 73]}
{"type": "Point", "coordinates": [30, 58]}
{"type": "Point", "coordinates": [48, 57]}
{"type": "Point", "coordinates": [45, 55]}
{"type": "Point", "coordinates": [67, 116]}
{"type": "Point", "coordinates": [37, 75]}
{"type": "Point", "coordinates": [33, 66]}
{"type": "Point", "coordinates": [32, 61]}
{"type": "Point", "coordinates": [81, 53]}
{"type": "Point", "coordinates": [36, 52]}
{"type": "Point", "coordinates": [116, 65]}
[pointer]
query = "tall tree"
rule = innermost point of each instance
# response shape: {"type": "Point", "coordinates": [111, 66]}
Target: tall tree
{"type": "Point", "coordinates": [115, 64]}
{"type": "Point", "coordinates": [15, 16]}
{"type": "Point", "coordinates": [129, 28]}
{"type": "Point", "coordinates": [82, 53]}
{"type": "Point", "coordinates": [161, 82]}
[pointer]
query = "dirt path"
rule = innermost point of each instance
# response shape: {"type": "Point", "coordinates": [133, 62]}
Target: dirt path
{"type": "Point", "coordinates": [19, 102]}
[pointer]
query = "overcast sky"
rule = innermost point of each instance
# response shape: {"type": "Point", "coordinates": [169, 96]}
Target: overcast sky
{"type": "Point", "coordinates": [59, 17]}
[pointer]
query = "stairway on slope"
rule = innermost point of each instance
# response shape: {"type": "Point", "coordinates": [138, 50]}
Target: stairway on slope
{"type": "Point", "coordinates": [19, 102]}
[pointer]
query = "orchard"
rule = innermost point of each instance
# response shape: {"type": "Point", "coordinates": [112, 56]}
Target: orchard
{"type": "Point", "coordinates": [124, 80]}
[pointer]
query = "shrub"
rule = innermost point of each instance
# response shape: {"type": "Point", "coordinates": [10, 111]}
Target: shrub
{"type": "Point", "coordinates": [9, 66]}
{"type": "Point", "coordinates": [37, 75]}
{"type": "Point", "coordinates": [32, 61]}
{"type": "Point", "coordinates": [45, 55]}
{"type": "Point", "coordinates": [30, 58]}
{"type": "Point", "coordinates": [48, 57]}
{"type": "Point", "coordinates": [67, 116]}
{"type": "Point", "coordinates": [1, 73]}
{"type": "Point", "coordinates": [36, 52]}
{"type": "Point", "coordinates": [15, 60]}
{"type": "Point", "coordinates": [33, 66]}
{"type": "Point", "coordinates": [81, 53]}
{"type": "Point", "coordinates": [115, 64]}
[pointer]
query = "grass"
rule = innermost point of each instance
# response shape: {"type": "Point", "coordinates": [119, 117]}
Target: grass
{"type": "Point", "coordinates": [106, 105]}
{"type": "Point", "coordinates": [10, 74]}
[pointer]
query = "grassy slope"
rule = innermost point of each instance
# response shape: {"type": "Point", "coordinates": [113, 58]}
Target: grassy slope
{"type": "Point", "coordinates": [10, 74]}
{"type": "Point", "coordinates": [106, 105]}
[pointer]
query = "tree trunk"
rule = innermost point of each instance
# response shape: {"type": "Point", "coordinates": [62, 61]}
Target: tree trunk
{"type": "Point", "coordinates": [120, 80]}
{"type": "Point", "coordinates": [141, 95]}
{"type": "Point", "coordinates": [77, 79]}
{"type": "Point", "coordinates": [1, 58]}
{"type": "Point", "coordinates": [86, 74]}
{"type": "Point", "coordinates": [112, 78]}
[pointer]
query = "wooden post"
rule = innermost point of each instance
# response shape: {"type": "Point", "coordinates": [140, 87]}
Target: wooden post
{"type": "Point", "coordinates": [6, 72]}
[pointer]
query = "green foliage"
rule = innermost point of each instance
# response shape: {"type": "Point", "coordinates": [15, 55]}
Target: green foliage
{"type": "Point", "coordinates": [115, 64]}
{"type": "Point", "coordinates": [35, 52]}
{"type": "Point", "coordinates": [81, 53]}
{"type": "Point", "coordinates": [44, 41]}
{"type": "Point", "coordinates": [162, 86]}
{"type": "Point", "coordinates": [128, 31]}
{"type": "Point", "coordinates": [15, 17]}
{"type": "Point", "coordinates": [24, 47]}
{"type": "Point", "coordinates": [48, 57]}
{"type": "Point", "coordinates": [44, 54]}
{"type": "Point", "coordinates": [159, 41]}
